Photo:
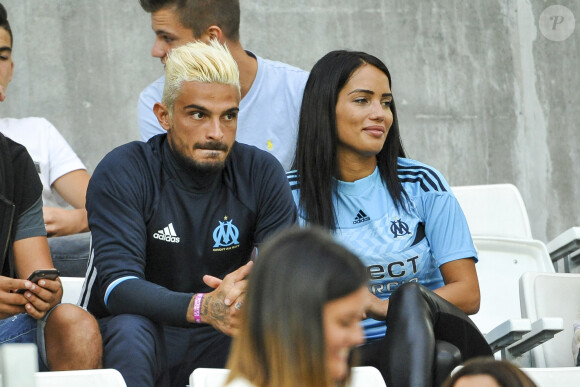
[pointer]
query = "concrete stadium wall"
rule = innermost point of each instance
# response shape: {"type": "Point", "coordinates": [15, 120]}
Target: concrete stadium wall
{"type": "Point", "coordinates": [484, 94]}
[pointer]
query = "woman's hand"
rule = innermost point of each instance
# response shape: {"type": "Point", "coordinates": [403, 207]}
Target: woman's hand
{"type": "Point", "coordinates": [376, 308]}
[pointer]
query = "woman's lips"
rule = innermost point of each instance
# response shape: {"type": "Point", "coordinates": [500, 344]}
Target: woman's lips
{"type": "Point", "coordinates": [375, 131]}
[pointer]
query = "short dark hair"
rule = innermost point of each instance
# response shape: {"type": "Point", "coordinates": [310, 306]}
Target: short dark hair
{"type": "Point", "coordinates": [4, 22]}
{"type": "Point", "coordinates": [506, 374]}
{"type": "Point", "coordinates": [316, 160]}
{"type": "Point", "coordinates": [198, 15]}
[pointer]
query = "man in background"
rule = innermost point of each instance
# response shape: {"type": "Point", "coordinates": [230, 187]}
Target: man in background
{"type": "Point", "coordinates": [271, 91]}
{"type": "Point", "coordinates": [63, 175]}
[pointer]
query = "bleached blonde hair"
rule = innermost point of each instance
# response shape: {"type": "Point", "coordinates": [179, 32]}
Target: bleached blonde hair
{"type": "Point", "coordinates": [198, 62]}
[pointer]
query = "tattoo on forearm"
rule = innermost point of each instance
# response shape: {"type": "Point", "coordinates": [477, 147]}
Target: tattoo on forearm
{"type": "Point", "coordinates": [214, 309]}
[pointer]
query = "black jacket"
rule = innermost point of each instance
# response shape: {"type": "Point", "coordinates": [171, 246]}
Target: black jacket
{"type": "Point", "coordinates": [20, 188]}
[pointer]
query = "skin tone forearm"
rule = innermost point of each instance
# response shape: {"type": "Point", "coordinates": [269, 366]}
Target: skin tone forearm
{"type": "Point", "coordinates": [73, 188]}
{"type": "Point", "coordinates": [60, 221]}
{"type": "Point", "coordinates": [461, 289]}
{"type": "Point", "coordinates": [461, 285]}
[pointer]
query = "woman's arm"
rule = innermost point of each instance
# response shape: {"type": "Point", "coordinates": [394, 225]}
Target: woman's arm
{"type": "Point", "coordinates": [461, 285]}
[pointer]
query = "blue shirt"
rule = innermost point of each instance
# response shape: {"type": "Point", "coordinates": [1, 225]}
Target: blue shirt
{"type": "Point", "coordinates": [399, 246]}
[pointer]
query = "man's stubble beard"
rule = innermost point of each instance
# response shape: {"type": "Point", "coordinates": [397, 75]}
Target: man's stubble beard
{"type": "Point", "coordinates": [202, 168]}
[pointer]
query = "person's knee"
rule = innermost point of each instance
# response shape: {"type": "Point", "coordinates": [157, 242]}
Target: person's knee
{"type": "Point", "coordinates": [69, 319]}
{"type": "Point", "coordinates": [410, 287]}
{"type": "Point", "coordinates": [408, 292]}
{"type": "Point", "coordinates": [139, 337]}
{"type": "Point", "coordinates": [136, 332]}
{"type": "Point", "coordinates": [73, 339]}
{"type": "Point", "coordinates": [409, 302]}
{"type": "Point", "coordinates": [131, 325]}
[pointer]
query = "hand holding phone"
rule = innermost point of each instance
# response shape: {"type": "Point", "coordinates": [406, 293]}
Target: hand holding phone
{"type": "Point", "coordinates": [37, 275]}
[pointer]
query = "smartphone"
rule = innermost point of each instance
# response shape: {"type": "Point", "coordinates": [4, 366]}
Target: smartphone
{"type": "Point", "coordinates": [37, 275]}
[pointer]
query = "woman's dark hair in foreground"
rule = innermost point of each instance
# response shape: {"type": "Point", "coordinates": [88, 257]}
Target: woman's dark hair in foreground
{"type": "Point", "coordinates": [281, 340]}
{"type": "Point", "coordinates": [506, 374]}
{"type": "Point", "coordinates": [316, 152]}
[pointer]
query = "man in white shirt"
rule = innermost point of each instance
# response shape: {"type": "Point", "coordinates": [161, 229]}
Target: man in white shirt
{"type": "Point", "coordinates": [271, 91]}
{"type": "Point", "coordinates": [64, 178]}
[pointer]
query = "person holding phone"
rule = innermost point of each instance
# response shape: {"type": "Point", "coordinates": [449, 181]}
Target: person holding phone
{"type": "Point", "coordinates": [67, 336]}
{"type": "Point", "coordinates": [63, 175]}
{"type": "Point", "coordinates": [37, 275]}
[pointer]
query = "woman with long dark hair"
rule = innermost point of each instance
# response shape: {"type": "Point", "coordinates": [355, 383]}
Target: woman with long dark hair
{"type": "Point", "coordinates": [398, 215]}
{"type": "Point", "coordinates": [301, 315]}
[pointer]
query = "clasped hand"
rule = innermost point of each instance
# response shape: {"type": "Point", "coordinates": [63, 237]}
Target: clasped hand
{"type": "Point", "coordinates": [221, 307]}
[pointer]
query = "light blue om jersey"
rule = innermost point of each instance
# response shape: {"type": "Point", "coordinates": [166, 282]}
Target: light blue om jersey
{"type": "Point", "coordinates": [399, 246]}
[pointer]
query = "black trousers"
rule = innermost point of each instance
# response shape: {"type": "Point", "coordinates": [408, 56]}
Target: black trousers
{"type": "Point", "coordinates": [423, 330]}
{"type": "Point", "coordinates": [152, 355]}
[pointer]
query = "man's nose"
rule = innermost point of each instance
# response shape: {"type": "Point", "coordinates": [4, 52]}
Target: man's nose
{"type": "Point", "coordinates": [160, 49]}
{"type": "Point", "coordinates": [215, 131]}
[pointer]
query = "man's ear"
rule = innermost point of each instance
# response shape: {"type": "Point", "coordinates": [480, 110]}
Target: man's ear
{"type": "Point", "coordinates": [162, 115]}
{"type": "Point", "coordinates": [213, 32]}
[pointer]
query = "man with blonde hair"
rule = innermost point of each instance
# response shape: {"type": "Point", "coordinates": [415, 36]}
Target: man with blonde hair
{"type": "Point", "coordinates": [271, 91]}
{"type": "Point", "coordinates": [175, 217]}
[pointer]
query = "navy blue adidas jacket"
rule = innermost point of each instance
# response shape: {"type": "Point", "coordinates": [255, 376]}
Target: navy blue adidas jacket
{"type": "Point", "coordinates": [157, 228]}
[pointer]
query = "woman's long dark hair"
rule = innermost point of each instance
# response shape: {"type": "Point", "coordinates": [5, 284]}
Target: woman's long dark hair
{"type": "Point", "coordinates": [316, 158]}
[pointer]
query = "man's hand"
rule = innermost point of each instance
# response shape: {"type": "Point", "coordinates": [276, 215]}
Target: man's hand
{"type": "Point", "coordinates": [376, 308]}
{"type": "Point", "coordinates": [11, 303]}
{"type": "Point", "coordinates": [220, 308]}
{"type": "Point", "coordinates": [60, 221]}
{"type": "Point", "coordinates": [41, 297]}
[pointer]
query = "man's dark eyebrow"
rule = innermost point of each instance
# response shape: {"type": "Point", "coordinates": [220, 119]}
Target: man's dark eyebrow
{"type": "Point", "coordinates": [161, 31]}
{"type": "Point", "coordinates": [6, 48]}
{"type": "Point", "coordinates": [205, 110]}
{"type": "Point", "coordinates": [196, 107]}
